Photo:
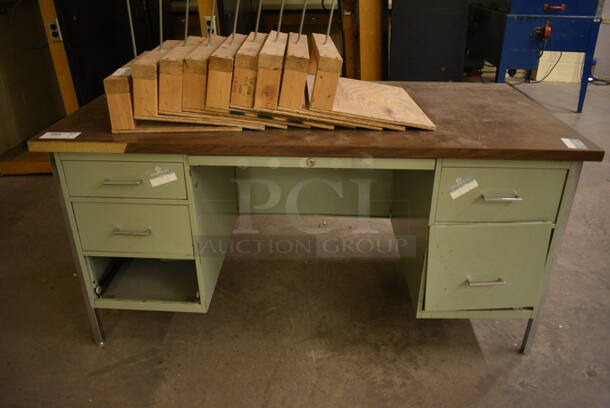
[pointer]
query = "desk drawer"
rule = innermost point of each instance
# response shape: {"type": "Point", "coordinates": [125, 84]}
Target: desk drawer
{"type": "Point", "coordinates": [125, 179]}
{"type": "Point", "coordinates": [491, 266]}
{"type": "Point", "coordinates": [499, 194]}
{"type": "Point", "coordinates": [555, 7]}
{"type": "Point", "coordinates": [136, 228]}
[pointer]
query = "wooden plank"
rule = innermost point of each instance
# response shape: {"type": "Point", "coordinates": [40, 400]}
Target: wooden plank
{"type": "Point", "coordinates": [171, 68]}
{"type": "Point", "coordinates": [283, 117]}
{"type": "Point", "coordinates": [269, 75]}
{"type": "Point", "coordinates": [231, 119]}
{"type": "Point", "coordinates": [328, 70]}
{"type": "Point", "coordinates": [183, 117]}
{"type": "Point", "coordinates": [60, 59]}
{"type": "Point", "coordinates": [220, 73]}
{"type": "Point", "coordinates": [158, 126]}
{"type": "Point", "coordinates": [305, 117]}
{"type": "Point", "coordinates": [294, 77]}
{"type": "Point", "coordinates": [336, 120]}
{"type": "Point", "coordinates": [245, 69]}
{"type": "Point", "coordinates": [379, 102]}
{"type": "Point", "coordinates": [26, 163]}
{"type": "Point", "coordinates": [195, 75]}
{"type": "Point", "coordinates": [118, 89]}
{"type": "Point", "coordinates": [144, 78]}
{"type": "Point", "coordinates": [120, 110]}
{"type": "Point", "coordinates": [369, 37]}
{"type": "Point", "coordinates": [364, 123]}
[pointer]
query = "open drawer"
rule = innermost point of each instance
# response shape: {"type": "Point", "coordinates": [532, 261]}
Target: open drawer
{"type": "Point", "coordinates": [144, 284]}
{"type": "Point", "coordinates": [486, 266]}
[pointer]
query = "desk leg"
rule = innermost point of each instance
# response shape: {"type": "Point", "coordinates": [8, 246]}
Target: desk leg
{"type": "Point", "coordinates": [501, 72]}
{"type": "Point", "coordinates": [584, 81]}
{"type": "Point", "coordinates": [560, 226]}
{"type": "Point", "coordinates": [94, 319]}
{"type": "Point", "coordinates": [528, 337]}
{"type": "Point", "coordinates": [587, 64]}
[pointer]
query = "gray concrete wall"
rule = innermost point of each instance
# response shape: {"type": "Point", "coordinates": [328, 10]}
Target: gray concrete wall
{"type": "Point", "coordinates": [29, 95]}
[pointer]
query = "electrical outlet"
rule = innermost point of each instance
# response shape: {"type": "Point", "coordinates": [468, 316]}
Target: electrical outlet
{"type": "Point", "coordinates": [210, 25]}
{"type": "Point", "coordinates": [54, 31]}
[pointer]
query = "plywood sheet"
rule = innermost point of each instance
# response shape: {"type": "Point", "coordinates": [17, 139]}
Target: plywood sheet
{"type": "Point", "coordinates": [228, 119]}
{"type": "Point", "coordinates": [158, 126]}
{"type": "Point", "coordinates": [181, 117]}
{"type": "Point", "coordinates": [192, 121]}
{"type": "Point", "coordinates": [379, 102]}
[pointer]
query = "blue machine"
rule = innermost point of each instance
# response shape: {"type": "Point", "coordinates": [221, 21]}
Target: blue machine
{"type": "Point", "coordinates": [514, 34]}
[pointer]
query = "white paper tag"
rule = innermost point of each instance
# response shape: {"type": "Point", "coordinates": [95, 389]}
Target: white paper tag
{"type": "Point", "coordinates": [574, 143]}
{"type": "Point", "coordinates": [60, 135]}
{"type": "Point", "coordinates": [122, 72]}
{"type": "Point", "coordinates": [163, 179]}
{"type": "Point", "coordinates": [463, 189]}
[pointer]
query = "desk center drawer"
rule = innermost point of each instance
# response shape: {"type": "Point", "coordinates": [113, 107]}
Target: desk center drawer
{"type": "Point", "coordinates": [499, 194]}
{"type": "Point", "coordinates": [137, 228]}
{"type": "Point", "coordinates": [125, 179]}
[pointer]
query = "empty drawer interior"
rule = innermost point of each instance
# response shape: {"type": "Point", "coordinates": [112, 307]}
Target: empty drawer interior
{"type": "Point", "coordinates": [144, 279]}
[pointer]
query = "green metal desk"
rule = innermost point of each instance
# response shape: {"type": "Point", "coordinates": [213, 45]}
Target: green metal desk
{"type": "Point", "coordinates": [485, 199]}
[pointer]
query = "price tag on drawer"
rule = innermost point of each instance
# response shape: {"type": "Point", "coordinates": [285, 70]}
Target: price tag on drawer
{"type": "Point", "coordinates": [163, 179]}
{"type": "Point", "coordinates": [462, 187]}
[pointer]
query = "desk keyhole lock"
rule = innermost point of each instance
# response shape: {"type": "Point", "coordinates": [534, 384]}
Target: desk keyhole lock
{"type": "Point", "coordinates": [310, 162]}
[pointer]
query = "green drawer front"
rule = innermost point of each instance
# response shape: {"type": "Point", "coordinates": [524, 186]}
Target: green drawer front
{"type": "Point", "coordinates": [536, 194]}
{"type": "Point", "coordinates": [486, 254]}
{"type": "Point", "coordinates": [141, 228]}
{"type": "Point", "coordinates": [125, 179]}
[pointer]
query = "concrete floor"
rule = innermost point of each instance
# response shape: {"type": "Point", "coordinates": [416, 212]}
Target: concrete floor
{"type": "Point", "coordinates": [295, 334]}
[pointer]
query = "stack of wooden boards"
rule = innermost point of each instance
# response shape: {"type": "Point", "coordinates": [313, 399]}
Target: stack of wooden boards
{"type": "Point", "coordinates": [256, 81]}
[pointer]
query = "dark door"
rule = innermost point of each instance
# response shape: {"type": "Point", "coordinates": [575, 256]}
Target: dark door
{"type": "Point", "coordinates": [428, 40]}
{"type": "Point", "coordinates": [97, 38]}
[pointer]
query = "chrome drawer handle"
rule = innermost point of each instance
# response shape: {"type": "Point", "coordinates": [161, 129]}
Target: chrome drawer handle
{"type": "Point", "coordinates": [144, 233]}
{"type": "Point", "coordinates": [494, 198]}
{"type": "Point", "coordinates": [500, 281]}
{"type": "Point", "coordinates": [109, 182]}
